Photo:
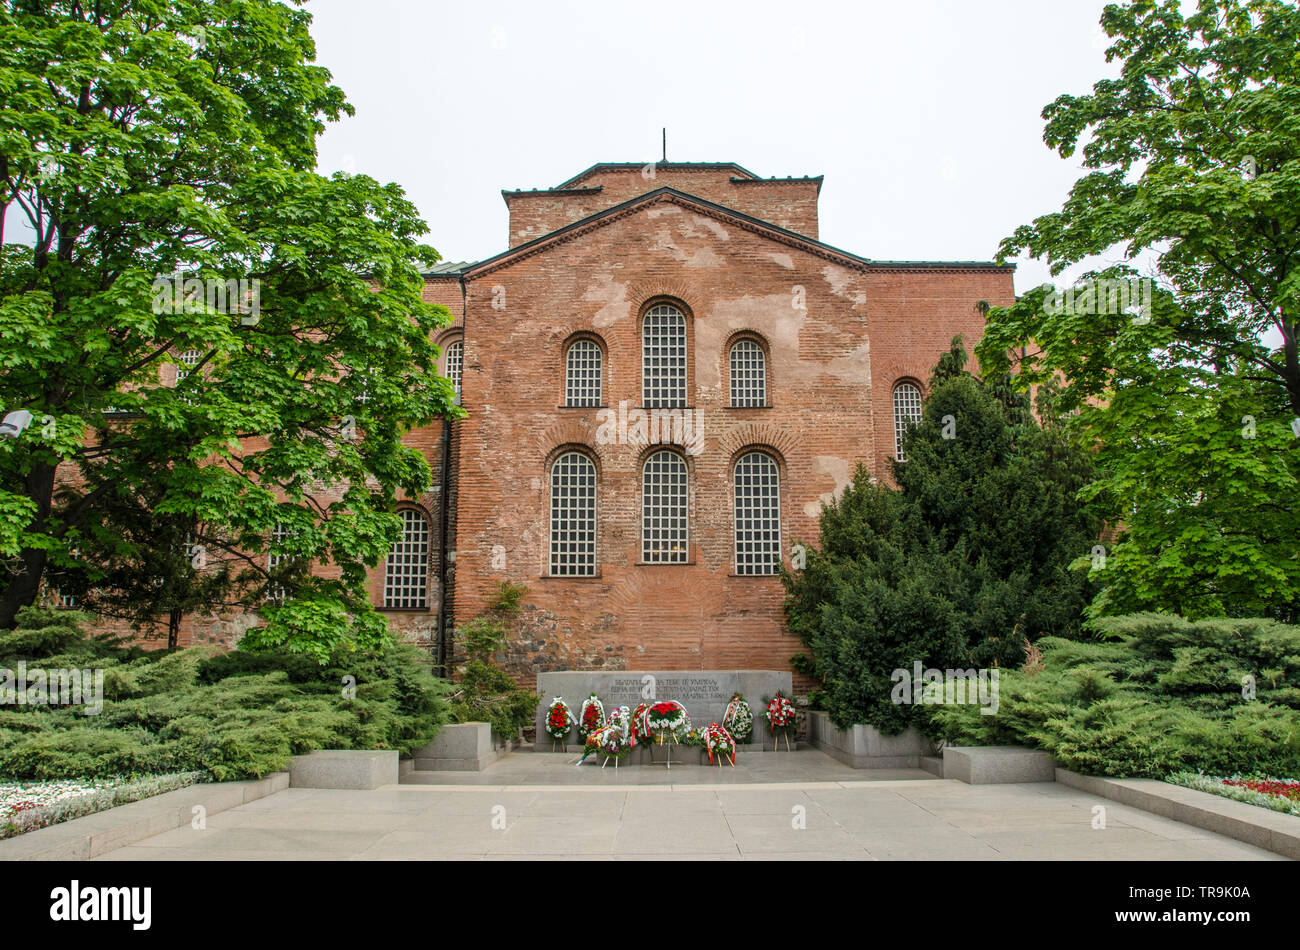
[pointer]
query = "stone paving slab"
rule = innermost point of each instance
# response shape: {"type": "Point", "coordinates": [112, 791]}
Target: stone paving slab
{"type": "Point", "coordinates": [1250, 824]}
{"type": "Point", "coordinates": [808, 806]}
{"type": "Point", "coordinates": [929, 819]}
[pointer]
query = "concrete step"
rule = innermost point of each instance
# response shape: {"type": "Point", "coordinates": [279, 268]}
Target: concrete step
{"type": "Point", "coordinates": [933, 764]}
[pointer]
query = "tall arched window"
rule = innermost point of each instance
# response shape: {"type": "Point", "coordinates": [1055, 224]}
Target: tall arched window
{"type": "Point", "coordinates": [279, 534]}
{"type": "Point", "coordinates": [757, 514]}
{"type": "Point", "coordinates": [582, 374]}
{"type": "Point", "coordinates": [665, 534]}
{"type": "Point", "coordinates": [907, 413]}
{"type": "Point", "coordinates": [573, 516]}
{"type": "Point", "coordinates": [455, 363]}
{"type": "Point", "coordinates": [748, 375]}
{"type": "Point", "coordinates": [185, 363]}
{"type": "Point", "coordinates": [663, 357]}
{"type": "Point", "coordinates": [406, 572]}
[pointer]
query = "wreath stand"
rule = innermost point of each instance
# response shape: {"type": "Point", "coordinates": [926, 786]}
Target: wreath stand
{"type": "Point", "coordinates": [659, 741]}
{"type": "Point", "coordinates": [776, 741]}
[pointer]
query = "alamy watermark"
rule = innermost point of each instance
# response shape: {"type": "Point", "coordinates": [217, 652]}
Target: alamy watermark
{"type": "Point", "coordinates": [931, 687]}
{"type": "Point", "coordinates": [635, 426]}
{"type": "Point", "coordinates": [1130, 297]}
{"type": "Point", "coordinates": [174, 293]}
{"type": "Point", "coordinates": [39, 687]}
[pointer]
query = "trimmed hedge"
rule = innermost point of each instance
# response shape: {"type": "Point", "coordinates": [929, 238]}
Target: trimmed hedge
{"type": "Point", "coordinates": [231, 715]}
{"type": "Point", "coordinates": [1161, 695]}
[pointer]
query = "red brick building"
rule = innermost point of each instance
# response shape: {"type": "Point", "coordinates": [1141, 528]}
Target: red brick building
{"type": "Point", "coordinates": [665, 375]}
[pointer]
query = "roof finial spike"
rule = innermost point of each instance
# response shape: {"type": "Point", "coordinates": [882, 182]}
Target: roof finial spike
{"type": "Point", "coordinates": [665, 158]}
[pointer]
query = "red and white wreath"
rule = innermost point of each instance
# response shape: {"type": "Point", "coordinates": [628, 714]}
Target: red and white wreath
{"type": "Point", "coordinates": [718, 739]}
{"type": "Point", "coordinates": [559, 719]}
{"type": "Point", "coordinates": [591, 717]}
{"type": "Point", "coordinates": [664, 719]}
{"type": "Point", "coordinates": [781, 715]}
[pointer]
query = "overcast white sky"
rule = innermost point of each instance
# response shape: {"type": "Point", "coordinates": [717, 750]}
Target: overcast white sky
{"type": "Point", "coordinates": [924, 116]}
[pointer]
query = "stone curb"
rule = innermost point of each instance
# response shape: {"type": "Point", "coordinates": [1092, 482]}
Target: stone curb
{"type": "Point", "coordinates": [1251, 824]}
{"type": "Point", "coordinates": [93, 835]}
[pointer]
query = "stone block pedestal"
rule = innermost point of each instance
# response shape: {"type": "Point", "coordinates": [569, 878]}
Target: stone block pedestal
{"type": "Point", "coordinates": [339, 768]}
{"type": "Point", "coordinates": [997, 765]}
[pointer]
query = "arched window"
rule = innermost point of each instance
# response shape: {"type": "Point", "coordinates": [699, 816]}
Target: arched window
{"type": "Point", "coordinates": [907, 413]}
{"type": "Point", "coordinates": [582, 374]}
{"type": "Point", "coordinates": [455, 363]}
{"type": "Point", "coordinates": [748, 375]}
{"type": "Point", "coordinates": [406, 572]}
{"type": "Point", "coordinates": [185, 363]}
{"type": "Point", "coordinates": [757, 514]}
{"type": "Point", "coordinates": [663, 357]}
{"type": "Point", "coordinates": [279, 534]}
{"type": "Point", "coordinates": [664, 528]}
{"type": "Point", "coordinates": [573, 516]}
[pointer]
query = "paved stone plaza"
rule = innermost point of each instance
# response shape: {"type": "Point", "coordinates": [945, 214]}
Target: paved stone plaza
{"type": "Point", "coordinates": [533, 806]}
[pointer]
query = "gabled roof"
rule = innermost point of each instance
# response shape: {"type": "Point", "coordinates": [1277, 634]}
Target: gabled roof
{"type": "Point", "coordinates": [711, 209]}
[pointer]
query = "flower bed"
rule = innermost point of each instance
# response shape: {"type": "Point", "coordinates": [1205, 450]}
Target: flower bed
{"type": "Point", "coordinates": [26, 806]}
{"type": "Point", "coordinates": [1278, 794]}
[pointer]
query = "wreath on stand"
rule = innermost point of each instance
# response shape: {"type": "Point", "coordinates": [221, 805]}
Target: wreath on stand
{"type": "Point", "coordinates": [738, 720]}
{"type": "Point", "coordinates": [613, 740]}
{"type": "Point", "coordinates": [640, 731]}
{"type": "Point", "coordinates": [591, 717]}
{"type": "Point", "coordinates": [718, 739]}
{"type": "Point", "coordinates": [782, 719]}
{"type": "Point", "coordinates": [559, 720]}
{"type": "Point", "coordinates": [666, 720]}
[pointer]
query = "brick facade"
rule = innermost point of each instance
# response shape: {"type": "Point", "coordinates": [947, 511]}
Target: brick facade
{"type": "Point", "coordinates": [738, 256]}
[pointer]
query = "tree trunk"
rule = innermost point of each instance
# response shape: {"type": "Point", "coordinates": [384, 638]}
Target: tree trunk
{"type": "Point", "coordinates": [23, 583]}
{"type": "Point", "coordinates": [173, 628]}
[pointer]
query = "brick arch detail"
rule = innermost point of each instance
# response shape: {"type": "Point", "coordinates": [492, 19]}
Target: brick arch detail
{"type": "Point", "coordinates": [570, 433]}
{"type": "Point", "coordinates": [641, 291]}
{"type": "Point", "coordinates": [890, 372]}
{"type": "Point", "coordinates": [760, 435]}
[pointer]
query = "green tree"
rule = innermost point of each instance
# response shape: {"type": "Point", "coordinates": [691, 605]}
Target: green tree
{"type": "Point", "coordinates": [957, 566]}
{"type": "Point", "coordinates": [1194, 163]}
{"type": "Point", "coordinates": [146, 141]}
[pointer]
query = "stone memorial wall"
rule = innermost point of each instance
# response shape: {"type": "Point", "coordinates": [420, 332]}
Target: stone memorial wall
{"type": "Point", "coordinates": [704, 693]}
